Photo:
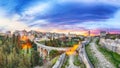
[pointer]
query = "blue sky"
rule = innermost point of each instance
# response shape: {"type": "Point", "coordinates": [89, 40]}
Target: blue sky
{"type": "Point", "coordinates": [77, 16]}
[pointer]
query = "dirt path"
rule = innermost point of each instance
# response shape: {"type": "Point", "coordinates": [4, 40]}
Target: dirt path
{"type": "Point", "coordinates": [103, 62]}
{"type": "Point", "coordinates": [71, 60]}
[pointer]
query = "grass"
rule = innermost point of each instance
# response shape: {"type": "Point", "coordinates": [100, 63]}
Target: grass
{"type": "Point", "coordinates": [66, 63]}
{"type": "Point", "coordinates": [77, 62]}
{"type": "Point", "coordinates": [113, 57]}
{"type": "Point", "coordinates": [53, 61]}
{"type": "Point", "coordinates": [0, 42]}
{"type": "Point", "coordinates": [91, 56]}
{"type": "Point", "coordinates": [72, 43]}
{"type": "Point", "coordinates": [41, 42]}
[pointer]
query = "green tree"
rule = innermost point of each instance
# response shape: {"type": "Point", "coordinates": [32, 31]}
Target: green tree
{"type": "Point", "coordinates": [53, 53]}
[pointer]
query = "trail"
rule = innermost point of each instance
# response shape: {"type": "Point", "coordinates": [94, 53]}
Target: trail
{"type": "Point", "coordinates": [103, 62]}
{"type": "Point", "coordinates": [71, 60]}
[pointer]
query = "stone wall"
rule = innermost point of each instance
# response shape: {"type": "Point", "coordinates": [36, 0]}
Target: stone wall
{"type": "Point", "coordinates": [111, 44]}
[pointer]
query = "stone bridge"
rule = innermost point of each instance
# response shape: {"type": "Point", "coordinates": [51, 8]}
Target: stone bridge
{"type": "Point", "coordinates": [45, 50]}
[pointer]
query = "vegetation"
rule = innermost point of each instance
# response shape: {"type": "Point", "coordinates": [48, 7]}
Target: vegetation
{"type": "Point", "coordinates": [66, 62]}
{"type": "Point", "coordinates": [113, 57]}
{"type": "Point", "coordinates": [54, 60]}
{"type": "Point", "coordinates": [54, 53]}
{"type": "Point", "coordinates": [77, 62]}
{"type": "Point", "coordinates": [112, 36]}
{"type": "Point", "coordinates": [12, 56]}
{"type": "Point", "coordinates": [61, 42]}
{"type": "Point", "coordinates": [91, 56]}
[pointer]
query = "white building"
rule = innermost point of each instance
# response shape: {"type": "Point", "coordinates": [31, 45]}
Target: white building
{"type": "Point", "coordinates": [103, 33]}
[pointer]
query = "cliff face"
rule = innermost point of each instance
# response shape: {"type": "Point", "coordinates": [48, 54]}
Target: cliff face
{"type": "Point", "coordinates": [113, 45]}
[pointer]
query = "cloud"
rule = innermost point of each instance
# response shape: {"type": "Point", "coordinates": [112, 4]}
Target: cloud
{"type": "Point", "coordinates": [38, 23]}
{"type": "Point", "coordinates": [8, 24]}
{"type": "Point", "coordinates": [29, 13]}
{"type": "Point", "coordinates": [73, 13]}
{"type": "Point", "coordinates": [113, 2]}
{"type": "Point", "coordinates": [77, 16]}
{"type": "Point", "coordinates": [37, 9]}
{"type": "Point", "coordinates": [112, 23]}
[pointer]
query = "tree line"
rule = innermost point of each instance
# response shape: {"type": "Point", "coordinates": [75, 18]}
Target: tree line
{"type": "Point", "coordinates": [12, 56]}
{"type": "Point", "coordinates": [61, 43]}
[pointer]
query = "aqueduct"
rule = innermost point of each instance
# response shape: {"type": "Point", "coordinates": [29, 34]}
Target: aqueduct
{"type": "Point", "coordinates": [45, 50]}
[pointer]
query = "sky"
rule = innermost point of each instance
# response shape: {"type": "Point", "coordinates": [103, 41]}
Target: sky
{"type": "Point", "coordinates": [62, 16]}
